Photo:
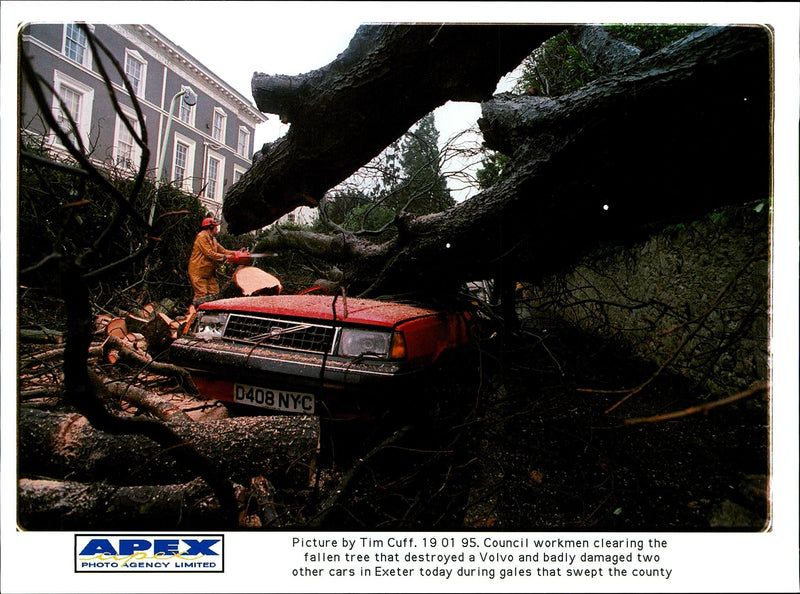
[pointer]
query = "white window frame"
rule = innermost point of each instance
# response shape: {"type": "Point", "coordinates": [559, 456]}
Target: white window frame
{"type": "Point", "coordinates": [119, 130]}
{"type": "Point", "coordinates": [244, 133]}
{"type": "Point", "coordinates": [185, 183]}
{"type": "Point", "coordinates": [87, 52]}
{"type": "Point", "coordinates": [82, 119]}
{"type": "Point", "coordinates": [131, 54]}
{"type": "Point", "coordinates": [214, 193]}
{"type": "Point", "coordinates": [238, 172]}
{"type": "Point", "coordinates": [190, 109]}
{"type": "Point", "coordinates": [219, 113]}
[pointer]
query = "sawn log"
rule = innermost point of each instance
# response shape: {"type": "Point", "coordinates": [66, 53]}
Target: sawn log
{"type": "Point", "coordinates": [59, 446]}
{"type": "Point", "coordinates": [68, 505]}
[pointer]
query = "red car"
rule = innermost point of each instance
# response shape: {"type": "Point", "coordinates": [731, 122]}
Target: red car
{"type": "Point", "coordinates": [316, 354]}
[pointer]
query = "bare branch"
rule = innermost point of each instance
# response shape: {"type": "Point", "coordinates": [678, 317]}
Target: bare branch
{"type": "Point", "coordinates": [704, 408]}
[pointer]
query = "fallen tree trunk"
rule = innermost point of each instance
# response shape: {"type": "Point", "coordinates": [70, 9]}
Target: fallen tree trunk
{"type": "Point", "coordinates": [347, 112]}
{"type": "Point", "coordinates": [69, 505]}
{"type": "Point", "coordinates": [281, 448]}
{"type": "Point", "coordinates": [653, 144]}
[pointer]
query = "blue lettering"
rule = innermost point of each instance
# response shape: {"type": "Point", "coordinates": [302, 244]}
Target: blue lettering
{"type": "Point", "coordinates": [97, 546]}
{"type": "Point", "coordinates": [165, 547]}
{"type": "Point", "coordinates": [129, 547]}
{"type": "Point", "coordinates": [162, 547]}
{"type": "Point", "coordinates": [201, 547]}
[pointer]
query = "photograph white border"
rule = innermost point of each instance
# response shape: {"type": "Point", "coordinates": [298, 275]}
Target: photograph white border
{"type": "Point", "coordinates": [258, 562]}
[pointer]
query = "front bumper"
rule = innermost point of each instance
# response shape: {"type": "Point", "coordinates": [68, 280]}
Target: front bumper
{"type": "Point", "coordinates": [342, 386]}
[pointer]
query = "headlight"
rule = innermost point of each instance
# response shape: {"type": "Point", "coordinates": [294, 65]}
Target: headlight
{"type": "Point", "coordinates": [210, 325]}
{"type": "Point", "coordinates": [356, 342]}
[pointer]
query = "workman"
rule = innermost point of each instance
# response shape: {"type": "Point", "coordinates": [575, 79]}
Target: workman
{"type": "Point", "coordinates": [206, 253]}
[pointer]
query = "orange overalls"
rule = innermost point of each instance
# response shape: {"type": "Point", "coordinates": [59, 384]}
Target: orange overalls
{"type": "Point", "coordinates": [206, 252]}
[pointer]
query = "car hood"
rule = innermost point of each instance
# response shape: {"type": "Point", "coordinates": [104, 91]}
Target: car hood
{"type": "Point", "coordinates": [320, 307]}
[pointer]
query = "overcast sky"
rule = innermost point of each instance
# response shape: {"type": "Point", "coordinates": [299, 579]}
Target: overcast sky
{"type": "Point", "coordinates": [260, 41]}
{"type": "Point", "coordinates": [276, 42]}
{"type": "Point", "coordinates": [287, 41]}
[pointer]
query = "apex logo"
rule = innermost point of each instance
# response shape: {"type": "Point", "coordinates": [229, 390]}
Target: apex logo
{"type": "Point", "coordinates": [160, 546]}
{"type": "Point", "coordinates": [146, 553]}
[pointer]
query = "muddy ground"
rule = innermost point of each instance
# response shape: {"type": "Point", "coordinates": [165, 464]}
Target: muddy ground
{"type": "Point", "coordinates": [556, 460]}
{"type": "Point", "coordinates": [541, 454]}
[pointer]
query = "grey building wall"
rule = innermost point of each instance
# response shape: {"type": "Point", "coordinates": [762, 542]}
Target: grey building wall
{"type": "Point", "coordinates": [169, 68]}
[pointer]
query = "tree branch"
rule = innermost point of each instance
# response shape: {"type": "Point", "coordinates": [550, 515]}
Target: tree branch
{"type": "Point", "coordinates": [345, 113]}
{"type": "Point", "coordinates": [704, 408]}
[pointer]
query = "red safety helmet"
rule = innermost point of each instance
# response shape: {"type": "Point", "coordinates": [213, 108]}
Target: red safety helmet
{"type": "Point", "coordinates": [209, 222]}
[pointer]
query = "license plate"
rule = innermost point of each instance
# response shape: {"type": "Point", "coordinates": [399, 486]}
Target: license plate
{"type": "Point", "coordinates": [295, 402]}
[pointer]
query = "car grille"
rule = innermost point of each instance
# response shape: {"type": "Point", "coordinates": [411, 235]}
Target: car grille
{"type": "Point", "coordinates": [300, 336]}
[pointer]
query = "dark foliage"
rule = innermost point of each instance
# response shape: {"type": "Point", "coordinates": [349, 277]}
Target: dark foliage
{"type": "Point", "coordinates": [61, 215]}
{"type": "Point", "coordinates": [650, 38]}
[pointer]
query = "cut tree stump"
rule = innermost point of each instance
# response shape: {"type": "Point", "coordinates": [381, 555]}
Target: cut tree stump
{"type": "Point", "coordinates": [281, 448]}
{"type": "Point", "coordinates": [118, 328]}
{"type": "Point", "coordinates": [254, 281]}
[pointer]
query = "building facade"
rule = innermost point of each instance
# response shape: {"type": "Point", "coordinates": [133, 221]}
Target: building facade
{"type": "Point", "coordinates": [205, 146]}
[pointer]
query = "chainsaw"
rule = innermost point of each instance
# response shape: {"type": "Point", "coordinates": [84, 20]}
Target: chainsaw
{"type": "Point", "coordinates": [243, 257]}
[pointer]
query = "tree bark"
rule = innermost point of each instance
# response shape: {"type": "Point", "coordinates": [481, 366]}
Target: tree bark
{"type": "Point", "coordinates": [41, 336]}
{"type": "Point", "coordinates": [345, 113]}
{"type": "Point", "coordinates": [69, 505]}
{"type": "Point", "coordinates": [140, 361]}
{"type": "Point", "coordinates": [160, 407]}
{"type": "Point", "coordinates": [604, 53]}
{"type": "Point", "coordinates": [281, 448]}
{"type": "Point", "coordinates": [676, 135]}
